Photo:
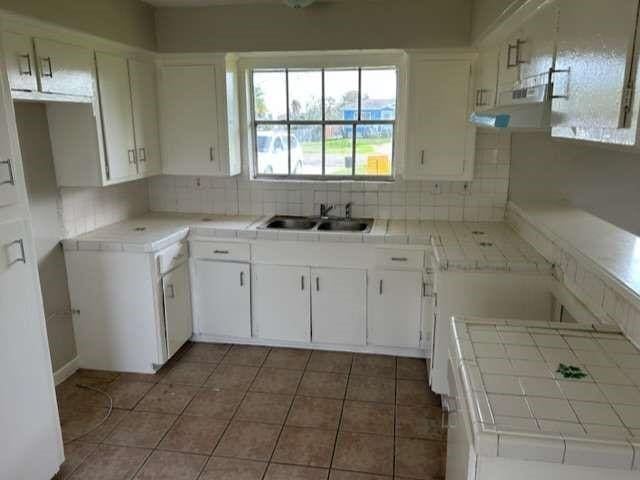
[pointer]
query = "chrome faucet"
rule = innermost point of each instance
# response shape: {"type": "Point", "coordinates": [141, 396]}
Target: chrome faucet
{"type": "Point", "coordinates": [325, 209]}
{"type": "Point", "coordinates": [347, 210]}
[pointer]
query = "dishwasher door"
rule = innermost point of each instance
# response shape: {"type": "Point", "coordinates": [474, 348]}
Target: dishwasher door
{"type": "Point", "coordinates": [177, 308]}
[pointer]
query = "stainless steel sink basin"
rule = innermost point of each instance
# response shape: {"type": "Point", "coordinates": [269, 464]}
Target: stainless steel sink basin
{"type": "Point", "coordinates": [290, 223]}
{"type": "Point", "coordinates": [343, 225]}
{"type": "Point", "coordinates": [287, 222]}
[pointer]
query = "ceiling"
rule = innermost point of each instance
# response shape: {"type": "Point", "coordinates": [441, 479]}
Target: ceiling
{"type": "Point", "coordinates": [202, 3]}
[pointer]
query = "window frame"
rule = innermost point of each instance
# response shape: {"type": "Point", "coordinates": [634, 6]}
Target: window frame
{"type": "Point", "coordinates": [324, 61]}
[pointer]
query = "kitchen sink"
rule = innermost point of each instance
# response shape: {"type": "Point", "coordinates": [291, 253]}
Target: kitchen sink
{"type": "Point", "coordinates": [290, 223]}
{"type": "Point", "coordinates": [286, 222]}
{"type": "Point", "coordinates": [344, 225]}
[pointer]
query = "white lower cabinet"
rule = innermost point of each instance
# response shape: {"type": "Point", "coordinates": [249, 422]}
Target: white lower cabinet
{"type": "Point", "coordinates": [282, 303]}
{"type": "Point", "coordinates": [338, 306]}
{"type": "Point", "coordinates": [395, 308]}
{"type": "Point", "coordinates": [223, 298]}
{"type": "Point", "coordinates": [177, 307]}
{"type": "Point", "coordinates": [28, 401]}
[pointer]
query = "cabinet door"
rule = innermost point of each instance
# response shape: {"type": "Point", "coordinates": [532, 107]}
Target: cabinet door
{"type": "Point", "coordinates": [8, 180]}
{"type": "Point", "coordinates": [117, 116]}
{"type": "Point", "coordinates": [537, 48]}
{"type": "Point", "coordinates": [177, 308]}
{"type": "Point", "coordinates": [595, 43]}
{"type": "Point", "coordinates": [28, 403]}
{"type": "Point", "coordinates": [144, 97]}
{"type": "Point", "coordinates": [338, 306]}
{"type": "Point", "coordinates": [394, 313]}
{"type": "Point", "coordinates": [20, 62]}
{"type": "Point", "coordinates": [486, 79]}
{"type": "Point", "coordinates": [281, 303]}
{"type": "Point", "coordinates": [441, 139]}
{"type": "Point", "coordinates": [64, 69]}
{"type": "Point", "coordinates": [509, 62]}
{"type": "Point", "coordinates": [223, 298]}
{"type": "Point", "coordinates": [188, 120]}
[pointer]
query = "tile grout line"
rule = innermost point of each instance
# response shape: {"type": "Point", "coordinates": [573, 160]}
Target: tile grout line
{"type": "Point", "coordinates": [275, 445]}
{"type": "Point", "coordinates": [344, 401]}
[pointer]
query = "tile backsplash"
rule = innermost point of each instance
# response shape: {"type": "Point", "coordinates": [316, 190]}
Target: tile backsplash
{"type": "Point", "coordinates": [85, 209]}
{"type": "Point", "coordinates": [483, 199]}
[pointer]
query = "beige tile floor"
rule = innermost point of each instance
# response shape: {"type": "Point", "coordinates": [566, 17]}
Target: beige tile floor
{"type": "Point", "coordinates": [250, 413]}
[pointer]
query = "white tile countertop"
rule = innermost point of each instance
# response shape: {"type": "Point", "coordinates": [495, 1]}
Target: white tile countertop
{"type": "Point", "coordinates": [484, 246]}
{"type": "Point", "coordinates": [561, 393]}
{"type": "Point", "coordinates": [612, 250]}
{"type": "Point", "coordinates": [462, 245]}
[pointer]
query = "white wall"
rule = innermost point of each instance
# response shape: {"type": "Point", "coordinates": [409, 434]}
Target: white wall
{"type": "Point", "coordinates": [60, 213]}
{"type": "Point", "coordinates": [45, 206]}
{"type": "Point", "coordinates": [603, 182]}
{"type": "Point", "coordinates": [484, 200]}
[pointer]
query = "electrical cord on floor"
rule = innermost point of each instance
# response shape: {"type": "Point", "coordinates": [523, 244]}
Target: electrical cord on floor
{"type": "Point", "coordinates": [106, 417]}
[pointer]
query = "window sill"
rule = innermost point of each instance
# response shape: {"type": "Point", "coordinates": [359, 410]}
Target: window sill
{"type": "Point", "coordinates": [307, 179]}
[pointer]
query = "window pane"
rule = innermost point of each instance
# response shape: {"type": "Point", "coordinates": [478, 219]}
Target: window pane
{"type": "Point", "coordinates": [374, 149]}
{"type": "Point", "coordinates": [341, 94]}
{"type": "Point", "coordinates": [305, 95]}
{"type": "Point", "coordinates": [272, 146]}
{"type": "Point", "coordinates": [378, 94]}
{"type": "Point", "coordinates": [338, 149]}
{"type": "Point", "coordinates": [306, 149]}
{"type": "Point", "coordinates": [270, 94]}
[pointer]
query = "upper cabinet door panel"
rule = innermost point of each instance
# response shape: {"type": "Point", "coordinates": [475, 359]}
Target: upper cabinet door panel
{"type": "Point", "coordinates": [188, 120]}
{"type": "Point", "coordinates": [440, 138]}
{"type": "Point", "coordinates": [486, 79]}
{"type": "Point", "coordinates": [595, 44]}
{"type": "Point", "coordinates": [144, 97]}
{"type": "Point", "coordinates": [8, 180]}
{"type": "Point", "coordinates": [509, 62]}
{"type": "Point", "coordinates": [19, 58]}
{"type": "Point", "coordinates": [117, 117]}
{"type": "Point", "coordinates": [537, 47]}
{"type": "Point", "coordinates": [63, 68]}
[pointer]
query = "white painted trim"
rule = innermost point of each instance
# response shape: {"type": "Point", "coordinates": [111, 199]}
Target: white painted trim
{"type": "Point", "coordinates": [397, 351]}
{"type": "Point", "coordinates": [66, 370]}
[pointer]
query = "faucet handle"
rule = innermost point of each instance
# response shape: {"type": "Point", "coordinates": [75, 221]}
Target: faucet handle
{"type": "Point", "coordinates": [347, 210]}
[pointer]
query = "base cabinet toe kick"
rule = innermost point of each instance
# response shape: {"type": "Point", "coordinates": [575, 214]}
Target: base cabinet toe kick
{"type": "Point", "coordinates": [135, 310]}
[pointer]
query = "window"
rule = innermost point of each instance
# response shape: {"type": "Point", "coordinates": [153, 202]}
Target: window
{"type": "Point", "coordinates": [327, 123]}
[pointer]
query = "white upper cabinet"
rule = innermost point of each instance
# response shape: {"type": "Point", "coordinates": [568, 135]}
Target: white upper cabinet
{"type": "Point", "coordinates": [20, 61]}
{"type": "Point", "coordinates": [537, 46]}
{"type": "Point", "coordinates": [117, 116]}
{"type": "Point", "coordinates": [8, 180]}
{"type": "Point", "coordinates": [113, 139]}
{"type": "Point", "coordinates": [485, 74]}
{"type": "Point", "coordinates": [63, 68]}
{"type": "Point", "coordinates": [198, 119]}
{"type": "Point", "coordinates": [593, 86]}
{"type": "Point", "coordinates": [441, 141]}
{"type": "Point", "coordinates": [144, 98]}
{"type": "Point", "coordinates": [509, 62]}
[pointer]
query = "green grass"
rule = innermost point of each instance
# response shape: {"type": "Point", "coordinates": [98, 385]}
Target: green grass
{"type": "Point", "coordinates": [342, 146]}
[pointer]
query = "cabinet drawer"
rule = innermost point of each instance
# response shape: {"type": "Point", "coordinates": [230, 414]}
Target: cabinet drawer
{"type": "Point", "coordinates": [413, 259]}
{"type": "Point", "coordinates": [172, 256]}
{"type": "Point", "coordinates": [239, 252]}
